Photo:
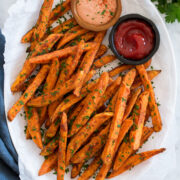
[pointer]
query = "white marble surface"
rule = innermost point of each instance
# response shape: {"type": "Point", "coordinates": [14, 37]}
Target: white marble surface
{"type": "Point", "coordinates": [174, 31]}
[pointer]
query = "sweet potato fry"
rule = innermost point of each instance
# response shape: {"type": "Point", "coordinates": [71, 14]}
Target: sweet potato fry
{"type": "Point", "coordinates": [126, 125]}
{"type": "Point", "coordinates": [26, 84]}
{"type": "Point", "coordinates": [147, 64]}
{"type": "Point", "coordinates": [122, 68]}
{"type": "Point", "coordinates": [138, 115]}
{"type": "Point", "coordinates": [101, 51]}
{"type": "Point", "coordinates": [31, 32]}
{"type": "Point", "coordinates": [156, 118]}
{"type": "Point", "coordinates": [92, 168]}
{"type": "Point", "coordinates": [62, 147]}
{"type": "Point", "coordinates": [88, 77]}
{"type": "Point", "coordinates": [52, 76]}
{"type": "Point", "coordinates": [111, 105]}
{"type": "Point", "coordinates": [76, 168]}
{"type": "Point", "coordinates": [87, 62]}
{"type": "Point", "coordinates": [44, 16]}
{"type": "Point", "coordinates": [28, 136]}
{"type": "Point", "coordinates": [103, 171]}
{"type": "Point", "coordinates": [53, 128]}
{"type": "Point", "coordinates": [131, 103]}
{"type": "Point", "coordinates": [59, 11]}
{"type": "Point", "coordinates": [109, 92]}
{"type": "Point", "coordinates": [95, 145]}
{"type": "Point", "coordinates": [28, 36]}
{"type": "Point", "coordinates": [45, 46]}
{"type": "Point", "coordinates": [33, 125]}
{"type": "Point", "coordinates": [70, 100]}
{"type": "Point", "coordinates": [147, 132]}
{"type": "Point", "coordinates": [74, 99]}
{"type": "Point", "coordinates": [120, 106]}
{"type": "Point", "coordinates": [70, 35]}
{"type": "Point", "coordinates": [32, 46]}
{"type": "Point", "coordinates": [51, 146]}
{"type": "Point", "coordinates": [67, 70]}
{"type": "Point", "coordinates": [65, 26]}
{"type": "Point", "coordinates": [103, 61]}
{"type": "Point", "coordinates": [80, 138]}
{"type": "Point", "coordinates": [119, 69]}
{"type": "Point", "coordinates": [126, 150]}
{"type": "Point", "coordinates": [49, 164]}
{"type": "Point", "coordinates": [61, 80]}
{"type": "Point", "coordinates": [91, 104]}
{"type": "Point", "coordinates": [135, 160]}
{"type": "Point", "coordinates": [51, 109]}
{"type": "Point", "coordinates": [66, 103]}
{"type": "Point", "coordinates": [28, 68]}
{"type": "Point", "coordinates": [86, 37]}
{"type": "Point", "coordinates": [151, 75]}
{"type": "Point", "coordinates": [72, 63]}
{"type": "Point", "coordinates": [43, 59]}
{"type": "Point", "coordinates": [49, 85]}
{"type": "Point", "coordinates": [124, 129]}
{"type": "Point", "coordinates": [75, 112]}
{"type": "Point", "coordinates": [53, 95]}
{"type": "Point", "coordinates": [27, 95]}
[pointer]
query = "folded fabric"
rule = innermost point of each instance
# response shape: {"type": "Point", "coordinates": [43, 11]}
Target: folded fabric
{"type": "Point", "coordinates": [6, 173]}
{"type": "Point", "coordinates": [8, 156]}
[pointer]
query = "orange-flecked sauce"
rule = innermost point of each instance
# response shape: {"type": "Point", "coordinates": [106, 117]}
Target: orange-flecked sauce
{"type": "Point", "coordinates": [96, 12]}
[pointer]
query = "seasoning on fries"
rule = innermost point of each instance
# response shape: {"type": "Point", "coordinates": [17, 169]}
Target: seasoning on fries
{"type": "Point", "coordinates": [28, 68]}
{"type": "Point", "coordinates": [43, 59]}
{"type": "Point", "coordinates": [28, 94]}
{"type": "Point", "coordinates": [120, 106]}
{"type": "Point", "coordinates": [156, 118]}
{"type": "Point", "coordinates": [85, 117]}
{"type": "Point", "coordinates": [62, 147]}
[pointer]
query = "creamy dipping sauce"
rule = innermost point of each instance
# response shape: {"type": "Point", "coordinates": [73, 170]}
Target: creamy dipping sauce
{"type": "Point", "coordinates": [96, 12]}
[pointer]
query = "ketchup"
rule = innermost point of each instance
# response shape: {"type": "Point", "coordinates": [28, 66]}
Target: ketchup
{"type": "Point", "coordinates": [134, 39]}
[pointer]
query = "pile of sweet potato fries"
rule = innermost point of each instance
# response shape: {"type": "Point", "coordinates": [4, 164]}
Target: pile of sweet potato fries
{"type": "Point", "coordinates": [79, 126]}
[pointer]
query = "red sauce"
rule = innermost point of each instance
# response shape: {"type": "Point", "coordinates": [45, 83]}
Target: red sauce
{"type": "Point", "coordinates": [134, 39]}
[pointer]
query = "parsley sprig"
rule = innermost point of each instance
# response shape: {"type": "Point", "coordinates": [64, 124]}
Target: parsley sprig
{"type": "Point", "coordinates": [171, 9]}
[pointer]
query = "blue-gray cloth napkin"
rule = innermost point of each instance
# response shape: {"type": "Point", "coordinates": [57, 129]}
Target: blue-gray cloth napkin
{"type": "Point", "coordinates": [8, 156]}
